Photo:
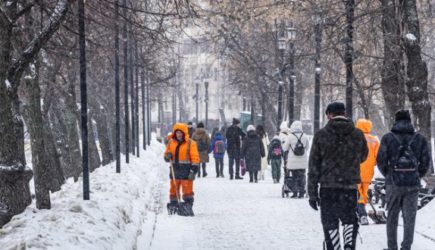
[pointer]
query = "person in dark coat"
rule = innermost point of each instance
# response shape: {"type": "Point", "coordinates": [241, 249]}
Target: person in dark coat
{"type": "Point", "coordinates": [336, 154]}
{"type": "Point", "coordinates": [402, 186]}
{"type": "Point", "coordinates": [234, 135]}
{"type": "Point", "coordinates": [252, 152]}
{"type": "Point", "coordinates": [190, 128]}
{"type": "Point", "coordinates": [218, 147]}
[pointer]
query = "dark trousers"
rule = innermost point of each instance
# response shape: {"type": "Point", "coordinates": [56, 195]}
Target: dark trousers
{"type": "Point", "coordinates": [203, 166]}
{"type": "Point", "coordinates": [219, 167]}
{"type": "Point", "coordinates": [300, 180]}
{"type": "Point", "coordinates": [337, 204]}
{"type": "Point", "coordinates": [403, 199]}
{"type": "Point", "coordinates": [253, 176]}
{"type": "Point", "coordinates": [231, 164]}
{"type": "Point", "coordinates": [276, 169]}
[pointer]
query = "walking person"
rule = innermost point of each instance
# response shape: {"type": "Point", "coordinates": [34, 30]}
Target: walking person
{"type": "Point", "coordinates": [296, 158]}
{"type": "Point", "coordinates": [218, 147]}
{"type": "Point", "coordinates": [182, 153]}
{"type": "Point", "coordinates": [403, 158]}
{"type": "Point", "coordinates": [336, 154]}
{"type": "Point", "coordinates": [191, 129]}
{"type": "Point", "coordinates": [252, 152]}
{"type": "Point", "coordinates": [367, 169]}
{"type": "Point", "coordinates": [274, 157]}
{"type": "Point", "coordinates": [265, 140]}
{"type": "Point", "coordinates": [234, 135]}
{"type": "Point", "coordinates": [203, 141]}
{"type": "Point", "coordinates": [283, 133]}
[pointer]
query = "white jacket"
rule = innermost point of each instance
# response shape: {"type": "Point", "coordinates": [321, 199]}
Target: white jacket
{"type": "Point", "coordinates": [293, 161]}
{"type": "Point", "coordinates": [266, 143]}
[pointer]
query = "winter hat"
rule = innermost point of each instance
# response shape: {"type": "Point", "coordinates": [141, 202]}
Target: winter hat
{"type": "Point", "coordinates": [336, 108]}
{"type": "Point", "coordinates": [403, 114]}
{"type": "Point", "coordinates": [236, 121]}
{"type": "Point", "coordinates": [189, 124]}
{"type": "Point", "coordinates": [250, 128]}
{"type": "Point", "coordinates": [200, 125]}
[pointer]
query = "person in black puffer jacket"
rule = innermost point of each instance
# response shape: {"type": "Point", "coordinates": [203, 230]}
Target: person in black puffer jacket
{"type": "Point", "coordinates": [402, 193]}
{"type": "Point", "coordinates": [252, 152]}
{"type": "Point", "coordinates": [336, 154]}
{"type": "Point", "coordinates": [234, 134]}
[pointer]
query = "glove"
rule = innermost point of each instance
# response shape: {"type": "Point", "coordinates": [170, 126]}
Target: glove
{"type": "Point", "coordinates": [168, 157]}
{"type": "Point", "coordinates": [314, 204]}
{"type": "Point", "coordinates": [192, 176]}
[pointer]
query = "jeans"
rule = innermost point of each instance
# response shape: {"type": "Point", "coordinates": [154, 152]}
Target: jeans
{"type": "Point", "coordinates": [231, 164]}
{"type": "Point", "coordinates": [219, 167]}
{"type": "Point", "coordinates": [276, 169]}
{"type": "Point", "coordinates": [405, 200]}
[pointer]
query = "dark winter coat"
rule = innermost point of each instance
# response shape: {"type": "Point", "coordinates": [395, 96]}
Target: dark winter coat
{"type": "Point", "coordinates": [234, 135]}
{"type": "Point", "coordinates": [253, 151]}
{"type": "Point", "coordinates": [201, 135]}
{"type": "Point", "coordinates": [336, 154]}
{"type": "Point", "coordinates": [218, 137]}
{"type": "Point", "coordinates": [275, 143]}
{"type": "Point", "coordinates": [389, 149]}
{"type": "Point", "coordinates": [191, 131]}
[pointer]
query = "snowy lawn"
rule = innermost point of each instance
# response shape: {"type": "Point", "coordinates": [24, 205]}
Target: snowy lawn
{"type": "Point", "coordinates": [112, 219]}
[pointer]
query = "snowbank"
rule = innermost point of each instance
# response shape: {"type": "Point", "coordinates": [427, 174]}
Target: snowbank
{"type": "Point", "coordinates": [425, 221]}
{"type": "Point", "coordinates": [112, 219]}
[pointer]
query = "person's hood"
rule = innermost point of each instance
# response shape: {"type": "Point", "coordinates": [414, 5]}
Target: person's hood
{"type": "Point", "coordinates": [275, 140]}
{"type": "Point", "coordinates": [276, 137]}
{"type": "Point", "coordinates": [250, 128]}
{"type": "Point", "coordinates": [340, 125]}
{"type": "Point", "coordinates": [296, 127]}
{"type": "Point", "coordinates": [252, 133]}
{"type": "Point", "coordinates": [183, 128]}
{"type": "Point", "coordinates": [283, 127]}
{"type": "Point", "coordinates": [364, 125]}
{"type": "Point", "coordinates": [403, 126]}
{"type": "Point", "coordinates": [218, 136]}
{"type": "Point", "coordinates": [200, 131]}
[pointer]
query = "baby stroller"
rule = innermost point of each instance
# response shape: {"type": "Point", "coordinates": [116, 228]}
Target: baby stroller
{"type": "Point", "coordinates": [289, 183]}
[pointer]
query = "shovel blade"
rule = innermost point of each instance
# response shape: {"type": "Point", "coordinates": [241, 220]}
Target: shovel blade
{"type": "Point", "coordinates": [378, 217]}
{"type": "Point", "coordinates": [172, 208]}
{"type": "Point", "coordinates": [185, 209]}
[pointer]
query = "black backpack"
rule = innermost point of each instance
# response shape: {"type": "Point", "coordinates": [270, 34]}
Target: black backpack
{"type": "Point", "coordinates": [405, 165]}
{"type": "Point", "coordinates": [299, 149]}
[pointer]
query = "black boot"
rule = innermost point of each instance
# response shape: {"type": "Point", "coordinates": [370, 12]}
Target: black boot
{"type": "Point", "coordinates": [295, 195]}
{"type": "Point", "coordinates": [231, 177]}
{"type": "Point", "coordinates": [238, 177]}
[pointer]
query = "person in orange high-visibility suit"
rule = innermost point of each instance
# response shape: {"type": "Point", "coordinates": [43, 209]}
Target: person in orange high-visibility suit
{"type": "Point", "coordinates": [182, 153]}
{"type": "Point", "coordinates": [367, 168]}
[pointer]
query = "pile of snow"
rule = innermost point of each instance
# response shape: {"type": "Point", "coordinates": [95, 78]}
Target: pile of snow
{"type": "Point", "coordinates": [425, 219]}
{"type": "Point", "coordinates": [112, 219]}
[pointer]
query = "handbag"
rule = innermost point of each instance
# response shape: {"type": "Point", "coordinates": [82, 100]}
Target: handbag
{"type": "Point", "coordinates": [242, 167]}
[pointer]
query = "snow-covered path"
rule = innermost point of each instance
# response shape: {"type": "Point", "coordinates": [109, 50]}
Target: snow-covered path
{"type": "Point", "coordinates": [242, 215]}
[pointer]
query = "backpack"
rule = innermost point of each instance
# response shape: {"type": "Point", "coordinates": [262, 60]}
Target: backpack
{"type": "Point", "coordinates": [299, 149]}
{"type": "Point", "coordinates": [219, 147]}
{"type": "Point", "coordinates": [277, 152]}
{"type": "Point", "coordinates": [202, 146]}
{"type": "Point", "coordinates": [405, 165]}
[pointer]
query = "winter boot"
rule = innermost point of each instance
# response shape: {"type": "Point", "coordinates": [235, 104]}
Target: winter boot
{"type": "Point", "coordinates": [238, 177]}
{"type": "Point", "coordinates": [295, 195]}
{"type": "Point", "coordinates": [301, 195]}
{"type": "Point", "coordinates": [350, 232]}
{"type": "Point", "coordinates": [222, 174]}
{"type": "Point", "coordinates": [231, 177]}
{"type": "Point", "coordinates": [363, 220]}
{"type": "Point", "coordinates": [332, 240]}
{"type": "Point", "coordinates": [204, 172]}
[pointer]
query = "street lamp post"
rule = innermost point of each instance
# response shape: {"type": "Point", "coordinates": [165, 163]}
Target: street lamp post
{"type": "Point", "coordinates": [291, 36]}
{"type": "Point", "coordinates": [318, 70]}
{"type": "Point", "coordinates": [206, 104]}
{"type": "Point", "coordinates": [279, 103]}
{"type": "Point", "coordinates": [196, 102]}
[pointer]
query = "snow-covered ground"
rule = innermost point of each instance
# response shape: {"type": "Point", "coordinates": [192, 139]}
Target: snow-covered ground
{"type": "Point", "coordinates": [128, 211]}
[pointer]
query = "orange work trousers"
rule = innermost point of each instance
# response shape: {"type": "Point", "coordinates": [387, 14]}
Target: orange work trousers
{"type": "Point", "coordinates": [177, 185]}
{"type": "Point", "coordinates": [363, 189]}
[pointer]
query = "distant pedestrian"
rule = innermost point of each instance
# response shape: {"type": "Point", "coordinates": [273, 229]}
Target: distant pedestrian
{"type": "Point", "coordinates": [403, 158]}
{"type": "Point", "coordinates": [283, 133]}
{"type": "Point", "coordinates": [265, 140]}
{"type": "Point", "coordinates": [296, 159]}
{"type": "Point", "coordinates": [218, 147]}
{"type": "Point", "coordinates": [234, 135]}
{"type": "Point", "coordinates": [336, 154]}
{"type": "Point", "coordinates": [275, 157]}
{"type": "Point", "coordinates": [367, 169]}
{"type": "Point", "coordinates": [191, 129]}
{"type": "Point", "coordinates": [252, 152]}
{"type": "Point", "coordinates": [203, 141]}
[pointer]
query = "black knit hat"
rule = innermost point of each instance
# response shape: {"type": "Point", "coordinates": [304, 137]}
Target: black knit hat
{"type": "Point", "coordinates": [200, 125]}
{"type": "Point", "coordinates": [189, 123]}
{"type": "Point", "coordinates": [336, 108]}
{"type": "Point", "coordinates": [402, 114]}
{"type": "Point", "coordinates": [236, 121]}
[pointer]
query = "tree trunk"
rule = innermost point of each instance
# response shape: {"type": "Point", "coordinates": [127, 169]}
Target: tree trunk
{"type": "Point", "coordinates": [103, 133]}
{"type": "Point", "coordinates": [94, 156]}
{"type": "Point", "coordinates": [42, 172]}
{"type": "Point", "coordinates": [393, 85]}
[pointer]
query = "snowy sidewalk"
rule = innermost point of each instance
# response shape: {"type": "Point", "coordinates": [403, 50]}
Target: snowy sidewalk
{"type": "Point", "coordinates": [241, 215]}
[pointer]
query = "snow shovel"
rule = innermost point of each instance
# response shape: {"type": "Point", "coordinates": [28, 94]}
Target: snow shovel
{"type": "Point", "coordinates": [378, 217]}
{"type": "Point", "coordinates": [180, 208]}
